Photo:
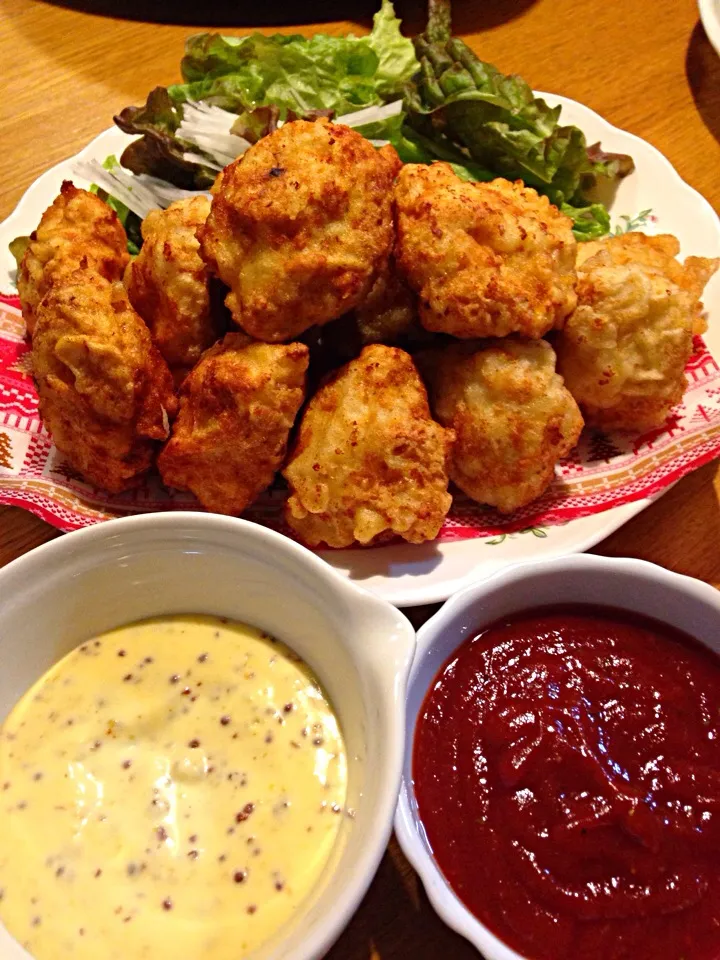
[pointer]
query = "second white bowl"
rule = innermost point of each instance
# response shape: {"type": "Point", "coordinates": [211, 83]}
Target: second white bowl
{"type": "Point", "coordinates": [633, 585]}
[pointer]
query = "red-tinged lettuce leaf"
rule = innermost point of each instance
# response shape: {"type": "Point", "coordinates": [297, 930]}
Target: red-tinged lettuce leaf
{"type": "Point", "coordinates": [159, 152]}
{"type": "Point", "coordinates": [255, 124]}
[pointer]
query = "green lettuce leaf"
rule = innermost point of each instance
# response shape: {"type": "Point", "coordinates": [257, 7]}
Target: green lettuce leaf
{"type": "Point", "coordinates": [130, 221]}
{"type": "Point", "coordinates": [590, 222]}
{"type": "Point", "coordinates": [17, 248]}
{"type": "Point", "coordinates": [501, 125]}
{"type": "Point", "coordinates": [499, 121]}
{"type": "Point", "coordinates": [395, 53]}
{"type": "Point", "coordinates": [298, 74]}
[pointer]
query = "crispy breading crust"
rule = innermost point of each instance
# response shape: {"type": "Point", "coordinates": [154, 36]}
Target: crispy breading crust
{"type": "Point", "coordinates": [513, 417]}
{"type": "Point", "coordinates": [659, 253]}
{"type": "Point", "coordinates": [78, 230]}
{"type": "Point", "coordinates": [389, 311]}
{"type": "Point", "coordinates": [623, 352]}
{"type": "Point", "coordinates": [105, 392]}
{"type": "Point", "coordinates": [368, 460]}
{"type": "Point", "coordinates": [168, 282]}
{"type": "Point", "coordinates": [299, 227]}
{"type": "Point", "coordinates": [486, 259]}
{"type": "Point", "coordinates": [237, 407]}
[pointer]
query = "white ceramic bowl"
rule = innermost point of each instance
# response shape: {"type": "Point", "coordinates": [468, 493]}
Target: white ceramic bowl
{"type": "Point", "coordinates": [632, 585]}
{"type": "Point", "coordinates": [359, 646]}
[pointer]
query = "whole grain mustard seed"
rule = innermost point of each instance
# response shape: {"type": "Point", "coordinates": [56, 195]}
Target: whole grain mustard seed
{"type": "Point", "coordinates": [244, 813]}
{"type": "Point", "coordinates": [188, 776]}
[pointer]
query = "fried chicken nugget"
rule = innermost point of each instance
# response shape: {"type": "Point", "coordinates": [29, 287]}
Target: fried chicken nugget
{"type": "Point", "coordinates": [77, 230]}
{"type": "Point", "coordinates": [623, 352]}
{"type": "Point", "coordinates": [105, 392]}
{"type": "Point", "coordinates": [513, 417]}
{"type": "Point", "coordinates": [369, 460]}
{"type": "Point", "coordinates": [659, 253]}
{"type": "Point", "coordinates": [486, 259]}
{"type": "Point", "coordinates": [237, 407]}
{"type": "Point", "coordinates": [168, 283]}
{"type": "Point", "coordinates": [300, 226]}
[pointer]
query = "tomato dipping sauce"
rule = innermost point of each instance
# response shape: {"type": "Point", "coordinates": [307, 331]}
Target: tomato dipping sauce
{"type": "Point", "coordinates": [567, 772]}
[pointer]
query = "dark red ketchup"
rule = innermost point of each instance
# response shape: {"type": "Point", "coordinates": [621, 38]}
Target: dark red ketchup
{"type": "Point", "coordinates": [567, 772]}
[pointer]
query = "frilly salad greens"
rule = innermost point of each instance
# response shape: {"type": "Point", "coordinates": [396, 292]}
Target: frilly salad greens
{"type": "Point", "coordinates": [431, 97]}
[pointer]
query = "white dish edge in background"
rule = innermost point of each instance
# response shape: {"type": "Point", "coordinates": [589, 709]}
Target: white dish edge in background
{"type": "Point", "coordinates": [408, 574]}
{"type": "Point", "coordinates": [635, 585]}
{"type": "Point", "coordinates": [710, 16]}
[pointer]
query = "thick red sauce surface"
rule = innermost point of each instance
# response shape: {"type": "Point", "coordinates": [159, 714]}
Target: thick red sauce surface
{"type": "Point", "coordinates": [567, 772]}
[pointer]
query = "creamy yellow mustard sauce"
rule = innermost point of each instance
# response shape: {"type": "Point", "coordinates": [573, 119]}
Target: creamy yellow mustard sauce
{"type": "Point", "coordinates": [171, 789]}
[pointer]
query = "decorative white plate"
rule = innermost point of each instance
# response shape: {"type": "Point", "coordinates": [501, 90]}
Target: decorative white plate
{"type": "Point", "coordinates": [409, 575]}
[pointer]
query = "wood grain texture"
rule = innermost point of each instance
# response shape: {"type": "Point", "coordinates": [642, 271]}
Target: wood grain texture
{"type": "Point", "coordinates": [646, 68]}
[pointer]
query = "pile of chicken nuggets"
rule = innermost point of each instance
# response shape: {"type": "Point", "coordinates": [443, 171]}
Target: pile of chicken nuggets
{"type": "Point", "coordinates": [373, 331]}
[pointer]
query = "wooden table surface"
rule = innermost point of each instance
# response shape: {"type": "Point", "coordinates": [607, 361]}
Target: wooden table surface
{"type": "Point", "coordinates": [67, 69]}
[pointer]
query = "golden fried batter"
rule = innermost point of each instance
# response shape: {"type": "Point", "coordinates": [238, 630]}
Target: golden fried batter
{"type": "Point", "coordinates": [77, 230]}
{"type": "Point", "coordinates": [237, 407]}
{"type": "Point", "coordinates": [389, 311]}
{"type": "Point", "coordinates": [659, 253]}
{"type": "Point", "coordinates": [486, 259]}
{"type": "Point", "coordinates": [168, 282]}
{"type": "Point", "coordinates": [300, 226]}
{"type": "Point", "coordinates": [513, 417]}
{"type": "Point", "coordinates": [369, 460]}
{"type": "Point", "coordinates": [105, 391]}
{"type": "Point", "coordinates": [623, 352]}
